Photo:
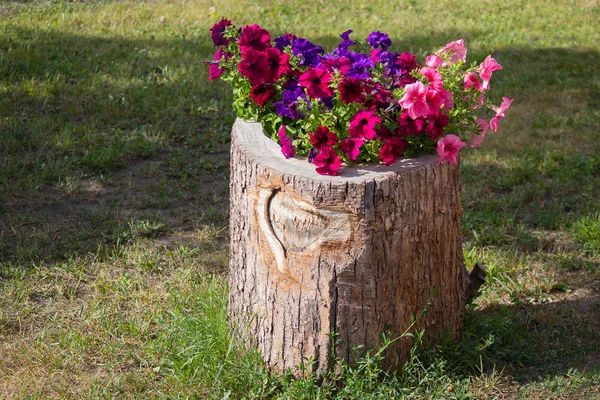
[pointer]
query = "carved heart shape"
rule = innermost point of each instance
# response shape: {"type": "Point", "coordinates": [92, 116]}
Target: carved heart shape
{"type": "Point", "coordinates": [296, 223]}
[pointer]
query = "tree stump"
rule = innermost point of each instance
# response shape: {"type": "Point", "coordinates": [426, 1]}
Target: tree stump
{"type": "Point", "coordinates": [355, 255]}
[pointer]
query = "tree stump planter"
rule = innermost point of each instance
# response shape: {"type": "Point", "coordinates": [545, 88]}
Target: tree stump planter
{"type": "Point", "coordinates": [356, 255]}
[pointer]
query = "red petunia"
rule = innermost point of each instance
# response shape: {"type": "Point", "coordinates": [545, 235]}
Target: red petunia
{"type": "Point", "coordinates": [216, 32]}
{"type": "Point", "coordinates": [323, 137]}
{"type": "Point", "coordinates": [327, 162]}
{"type": "Point", "coordinates": [262, 93]}
{"type": "Point", "coordinates": [437, 123]}
{"type": "Point", "coordinates": [279, 63]}
{"type": "Point", "coordinates": [363, 125]}
{"type": "Point", "coordinates": [409, 126]}
{"type": "Point", "coordinates": [392, 149]}
{"type": "Point", "coordinates": [254, 37]}
{"type": "Point", "coordinates": [351, 91]}
{"type": "Point", "coordinates": [255, 66]}
{"type": "Point", "coordinates": [316, 81]}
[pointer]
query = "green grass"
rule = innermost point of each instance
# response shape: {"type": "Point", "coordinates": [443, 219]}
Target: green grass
{"type": "Point", "coordinates": [114, 187]}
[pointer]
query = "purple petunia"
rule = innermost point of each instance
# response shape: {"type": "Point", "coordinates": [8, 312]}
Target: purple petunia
{"type": "Point", "coordinates": [379, 40]}
{"type": "Point", "coordinates": [342, 48]}
{"type": "Point", "coordinates": [284, 41]}
{"type": "Point", "coordinates": [307, 51]}
{"type": "Point", "coordinates": [388, 60]}
{"type": "Point", "coordinates": [361, 66]}
{"type": "Point", "coordinates": [287, 107]}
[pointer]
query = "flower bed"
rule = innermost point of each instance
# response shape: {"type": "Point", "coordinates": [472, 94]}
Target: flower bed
{"type": "Point", "coordinates": [360, 103]}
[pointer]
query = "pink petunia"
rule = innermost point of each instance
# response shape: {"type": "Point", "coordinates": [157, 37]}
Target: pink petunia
{"type": "Point", "coordinates": [363, 125]}
{"type": "Point", "coordinates": [486, 68]}
{"type": "Point", "coordinates": [351, 147]}
{"type": "Point", "coordinates": [453, 51]}
{"type": "Point", "coordinates": [434, 100]}
{"type": "Point", "coordinates": [316, 81]}
{"type": "Point", "coordinates": [392, 149]}
{"type": "Point", "coordinates": [327, 162]}
{"type": "Point", "coordinates": [477, 138]}
{"type": "Point", "coordinates": [287, 148]}
{"type": "Point", "coordinates": [434, 61]}
{"type": "Point", "coordinates": [434, 77]}
{"type": "Point", "coordinates": [506, 102]}
{"type": "Point", "coordinates": [415, 100]}
{"type": "Point", "coordinates": [448, 148]}
{"type": "Point", "coordinates": [471, 80]}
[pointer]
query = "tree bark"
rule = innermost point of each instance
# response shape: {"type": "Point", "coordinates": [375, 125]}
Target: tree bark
{"type": "Point", "coordinates": [354, 255]}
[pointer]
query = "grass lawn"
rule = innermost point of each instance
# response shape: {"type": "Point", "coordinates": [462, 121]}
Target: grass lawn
{"type": "Point", "coordinates": [114, 189]}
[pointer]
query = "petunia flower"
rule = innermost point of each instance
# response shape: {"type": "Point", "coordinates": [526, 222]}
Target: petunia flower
{"type": "Point", "coordinates": [351, 91]}
{"type": "Point", "coordinates": [262, 93]}
{"type": "Point", "coordinates": [333, 64]}
{"type": "Point", "coordinates": [327, 162]}
{"type": "Point", "coordinates": [434, 77]}
{"type": "Point", "coordinates": [279, 63]}
{"type": "Point", "coordinates": [437, 122]}
{"type": "Point", "coordinates": [392, 149]}
{"type": "Point", "coordinates": [255, 66]}
{"type": "Point", "coordinates": [216, 32]}
{"type": "Point", "coordinates": [448, 148]}
{"type": "Point", "coordinates": [254, 37]}
{"type": "Point", "coordinates": [486, 68]}
{"type": "Point", "coordinates": [434, 61]}
{"type": "Point", "coordinates": [342, 48]}
{"type": "Point", "coordinates": [323, 137]}
{"type": "Point", "coordinates": [415, 100]}
{"type": "Point", "coordinates": [453, 51]}
{"type": "Point", "coordinates": [379, 40]}
{"type": "Point", "coordinates": [409, 126]}
{"type": "Point", "coordinates": [214, 70]}
{"type": "Point", "coordinates": [477, 138]}
{"type": "Point", "coordinates": [287, 148]}
{"type": "Point", "coordinates": [506, 102]}
{"type": "Point", "coordinates": [363, 125]}
{"type": "Point", "coordinates": [351, 147]}
{"type": "Point", "coordinates": [316, 81]}
{"type": "Point", "coordinates": [284, 41]}
{"type": "Point", "coordinates": [308, 52]}
{"type": "Point", "coordinates": [470, 81]}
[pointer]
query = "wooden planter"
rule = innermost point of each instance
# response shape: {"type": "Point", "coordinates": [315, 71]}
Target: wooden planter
{"type": "Point", "coordinates": [355, 255]}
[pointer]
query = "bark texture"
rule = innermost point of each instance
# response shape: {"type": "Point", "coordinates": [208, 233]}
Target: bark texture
{"type": "Point", "coordinates": [355, 255]}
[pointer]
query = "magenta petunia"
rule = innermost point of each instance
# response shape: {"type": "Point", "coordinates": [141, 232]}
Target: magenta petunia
{"type": "Point", "coordinates": [351, 146]}
{"type": "Point", "coordinates": [436, 124]}
{"type": "Point", "coordinates": [448, 148]}
{"type": "Point", "coordinates": [506, 102]}
{"type": "Point", "coordinates": [322, 137]}
{"type": "Point", "coordinates": [255, 66]}
{"type": "Point", "coordinates": [392, 149]}
{"type": "Point", "coordinates": [262, 93]}
{"type": "Point", "coordinates": [434, 100]}
{"type": "Point", "coordinates": [453, 52]}
{"type": "Point", "coordinates": [216, 32]}
{"type": "Point", "coordinates": [327, 162]}
{"type": "Point", "coordinates": [486, 68]}
{"type": "Point", "coordinates": [415, 100]}
{"type": "Point", "coordinates": [477, 138]}
{"type": "Point", "coordinates": [409, 126]}
{"type": "Point", "coordinates": [287, 148]}
{"type": "Point", "coordinates": [254, 37]}
{"type": "Point", "coordinates": [214, 69]}
{"type": "Point", "coordinates": [363, 125]}
{"type": "Point", "coordinates": [316, 81]}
